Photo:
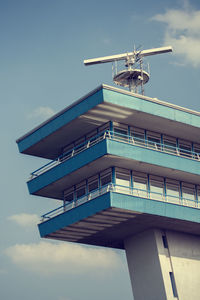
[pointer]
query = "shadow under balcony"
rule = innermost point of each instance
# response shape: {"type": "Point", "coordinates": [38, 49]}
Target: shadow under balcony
{"type": "Point", "coordinates": [112, 213]}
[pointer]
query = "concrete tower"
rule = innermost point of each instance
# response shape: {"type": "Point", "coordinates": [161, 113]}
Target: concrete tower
{"type": "Point", "coordinates": [126, 169]}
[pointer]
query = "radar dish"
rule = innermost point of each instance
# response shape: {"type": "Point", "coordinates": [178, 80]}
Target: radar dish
{"type": "Point", "coordinates": [131, 78]}
{"type": "Point", "coordinates": [134, 75]}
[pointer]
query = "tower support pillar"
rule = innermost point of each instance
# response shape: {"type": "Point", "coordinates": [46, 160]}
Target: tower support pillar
{"type": "Point", "coordinates": [164, 265]}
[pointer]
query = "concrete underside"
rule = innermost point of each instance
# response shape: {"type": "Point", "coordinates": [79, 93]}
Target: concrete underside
{"type": "Point", "coordinates": [164, 265]}
{"type": "Point", "coordinates": [112, 218]}
{"type": "Point", "coordinates": [103, 105]}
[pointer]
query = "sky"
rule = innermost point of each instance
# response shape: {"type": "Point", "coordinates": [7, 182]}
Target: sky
{"type": "Point", "coordinates": [42, 47]}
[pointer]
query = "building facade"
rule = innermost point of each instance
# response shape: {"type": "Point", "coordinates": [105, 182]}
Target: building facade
{"type": "Point", "coordinates": [126, 169]}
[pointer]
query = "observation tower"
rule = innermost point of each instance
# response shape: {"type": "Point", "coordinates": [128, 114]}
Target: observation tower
{"type": "Point", "coordinates": [126, 169]}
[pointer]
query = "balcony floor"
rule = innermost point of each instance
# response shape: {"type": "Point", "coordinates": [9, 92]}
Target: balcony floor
{"type": "Point", "coordinates": [111, 218]}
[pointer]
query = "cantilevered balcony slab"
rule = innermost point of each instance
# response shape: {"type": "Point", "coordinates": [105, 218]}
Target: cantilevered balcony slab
{"type": "Point", "coordinates": [108, 153]}
{"type": "Point", "coordinates": [108, 104]}
{"type": "Point", "coordinates": [112, 217]}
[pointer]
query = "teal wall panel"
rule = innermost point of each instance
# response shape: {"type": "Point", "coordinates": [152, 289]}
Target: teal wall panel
{"type": "Point", "coordinates": [124, 202]}
{"type": "Point", "coordinates": [154, 207]}
{"type": "Point", "coordinates": [149, 107]}
{"type": "Point", "coordinates": [116, 148]}
{"type": "Point", "coordinates": [79, 213]}
{"type": "Point", "coordinates": [153, 157]}
{"type": "Point", "coordinates": [67, 167]}
{"type": "Point", "coordinates": [114, 97]}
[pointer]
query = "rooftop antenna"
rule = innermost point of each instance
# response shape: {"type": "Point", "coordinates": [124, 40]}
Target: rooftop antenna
{"type": "Point", "coordinates": [134, 75]}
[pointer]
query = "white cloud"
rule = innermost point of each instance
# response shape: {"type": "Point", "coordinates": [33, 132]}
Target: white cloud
{"type": "Point", "coordinates": [42, 112]}
{"type": "Point", "coordinates": [25, 220]}
{"type": "Point", "coordinates": [49, 258]}
{"type": "Point", "coordinates": [183, 32]}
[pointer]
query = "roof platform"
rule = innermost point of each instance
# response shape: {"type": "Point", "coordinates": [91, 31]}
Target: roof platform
{"type": "Point", "coordinates": [104, 104]}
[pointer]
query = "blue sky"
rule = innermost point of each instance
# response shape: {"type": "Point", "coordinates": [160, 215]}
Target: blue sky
{"type": "Point", "coordinates": [43, 45]}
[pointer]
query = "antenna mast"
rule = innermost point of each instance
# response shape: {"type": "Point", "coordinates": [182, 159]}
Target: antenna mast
{"type": "Point", "coordinates": [134, 75]}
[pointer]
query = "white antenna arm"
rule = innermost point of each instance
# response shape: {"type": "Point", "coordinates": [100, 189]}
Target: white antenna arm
{"type": "Point", "coordinates": [105, 59]}
{"type": "Point", "coordinates": [122, 56]}
{"type": "Point", "coordinates": [156, 51]}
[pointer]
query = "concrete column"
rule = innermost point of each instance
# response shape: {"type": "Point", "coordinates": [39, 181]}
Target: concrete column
{"type": "Point", "coordinates": [184, 252]}
{"type": "Point", "coordinates": [164, 265]}
{"type": "Point", "coordinates": [145, 268]}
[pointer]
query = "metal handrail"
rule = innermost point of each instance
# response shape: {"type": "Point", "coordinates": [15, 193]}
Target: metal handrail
{"type": "Point", "coordinates": [135, 192]}
{"type": "Point", "coordinates": [139, 142]}
{"type": "Point", "coordinates": [87, 197]}
{"type": "Point", "coordinates": [68, 154]}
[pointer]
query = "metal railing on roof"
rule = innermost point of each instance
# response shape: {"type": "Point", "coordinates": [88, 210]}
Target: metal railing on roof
{"type": "Point", "coordinates": [108, 134]}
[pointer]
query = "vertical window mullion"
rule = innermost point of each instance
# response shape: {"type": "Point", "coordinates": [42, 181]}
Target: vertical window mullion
{"type": "Point", "coordinates": [148, 186]}
{"type": "Point", "coordinates": [131, 174]}
{"type": "Point", "coordinates": [113, 175]}
{"type": "Point", "coordinates": [181, 193]}
{"type": "Point", "coordinates": [177, 146]}
{"type": "Point", "coordinates": [165, 189]}
{"type": "Point", "coordinates": [145, 137]}
{"type": "Point", "coordinates": [75, 198]}
{"type": "Point", "coordinates": [196, 195]}
{"type": "Point", "coordinates": [111, 126]}
{"type": "Point", "coordinates": [161, 141]}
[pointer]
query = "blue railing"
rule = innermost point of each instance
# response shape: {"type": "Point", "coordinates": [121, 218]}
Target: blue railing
{"type": "Point", "coordinates": [70, 153]}
{"type": "Point", "coordinates": [122, 190]}
{"type": "Point", "coordinates": [87, 197]}
{"type": "Point", "coordinates": [140, 142]}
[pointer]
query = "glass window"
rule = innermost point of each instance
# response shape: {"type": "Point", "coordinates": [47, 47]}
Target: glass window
{"type": "Point", "coordinates": [80, 145]}
{"type": "Point", "coordinates": [92, 137]}
{"type": "Point", "coordinates": [67, 152]}
{"type": "Point", "coordinates": [188, 194]}
{"type": "Point", "coordinates": [69, 195]}
{"type": "Point", "coordinates": [153, 140]}
{"type": "Point", "coordinates": [106, 177]}
{"type": "Point", "coordinates": [198, 195]}
{"type": "Point", "coordinates": [173, 283]}
{"type": "Point", "coordinates": [93, 184]}
{"type": "Point", "coordinates": [80, 189]}
{"type": "Point", "coordinates": [156, 188]}
{"type": "Point", "coordinates": [169, 144]}
{"type": "Point", "coordinates": [122, 177]}
{"type": "Point", "coordinates": [68, 148]}
{"type": "Point", "coordinates": [185, 148]}
{"type": "Point", "coordinates": [197, 151]}
{"type": "Point", "coordinates": [123, 181]}
{"type": "Point", "coordinates": [104, 131]}
{"type": "Point", "coordinates": [140, 186]}
{"type": "Point", "coordinates": [173, 192]}
{"type": "Point", "coordinates": [138, 136]}
{"type": "Point", "coordinates": [121, 132]}
{"type": "Point", "coordinates": [80, 192]}
{"type": "Point", "coordinates": [79, 141]}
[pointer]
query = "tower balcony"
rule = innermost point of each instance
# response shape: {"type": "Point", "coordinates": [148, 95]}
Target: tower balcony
{"type": "Point", "coordinates": [108, 215]}
{"type": "Point", "coordinates": [109, 148]}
